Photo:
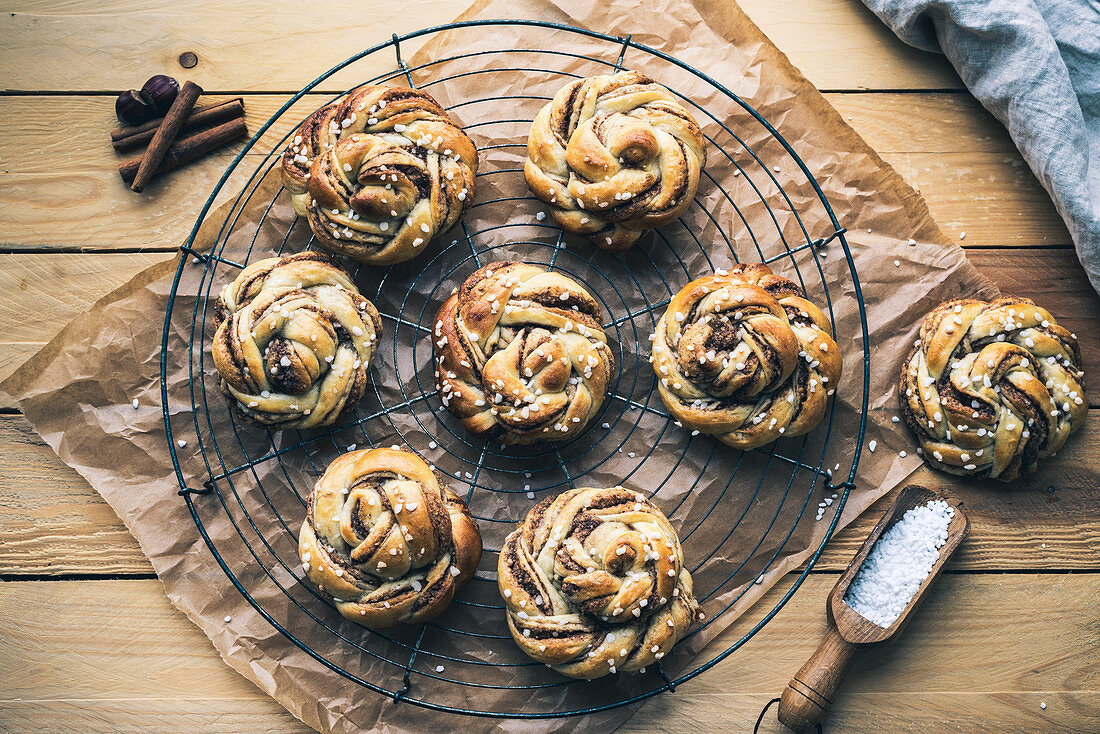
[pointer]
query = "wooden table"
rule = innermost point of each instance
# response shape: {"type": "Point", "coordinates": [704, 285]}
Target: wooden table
{"type": "Point", "coordinates": [90, 643]}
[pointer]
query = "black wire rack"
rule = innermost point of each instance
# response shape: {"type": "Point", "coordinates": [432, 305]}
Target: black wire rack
{"type": "Point", "coordinates": [246, 488]}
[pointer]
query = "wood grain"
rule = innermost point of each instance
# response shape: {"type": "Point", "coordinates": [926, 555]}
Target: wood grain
{"type": "Point", "coordinates": [919, 123]}
{"type": "Point", "coordinates": [54, 523]}
{"type": "Point", "coordinates": [1054, 278]}
{"type": "Point", "coordinates": [115, 656]}
{"type": "Point", "coordinates": [51, 520]}
{"type": "Point", "coordinates": [229, 40]}
{"type": "Point", "coordinates": [868, 711]}
{"type": "Point", "coordinates": [40, 293]}
{"type": "Point", "coordinates": [963, 162]}
{"type": "Point", "coordinates": [806, 700]}
{"type": "Point", "coordinates": [992, 198]}
{"type": "Point", "coordinates": [64, 191]}
{"type": "Point", "coordinates": [1048, 520]}
{"type": "Point", "coordinates": [74, 661]}
{"type": "Point", "coordinates": [837, 44]}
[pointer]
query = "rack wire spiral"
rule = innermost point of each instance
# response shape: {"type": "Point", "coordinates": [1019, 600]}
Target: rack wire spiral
{"type": "Point", "coordinates": [253, 484]}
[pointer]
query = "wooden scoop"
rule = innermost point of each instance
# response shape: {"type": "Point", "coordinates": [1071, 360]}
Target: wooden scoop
{"type": "Point", "coordinates": [807, 698]}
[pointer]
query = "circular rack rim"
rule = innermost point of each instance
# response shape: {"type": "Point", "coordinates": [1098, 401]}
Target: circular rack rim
{"type": "Point", "coordinates": [843, 488]}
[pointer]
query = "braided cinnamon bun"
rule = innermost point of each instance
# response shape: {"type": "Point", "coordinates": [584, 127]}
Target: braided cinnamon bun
{"type": "Point", "coordinates": [992, 387]}
{"type": "Point", "coordinates": [594, 583]}
{"type": "Point", "coordinates": [294, 342]}
{"type": "Point", "coordinates": [385, 541]}
{"type": "Point", "coordinates": [521, 354]}
{"type": "Point", "coordinates": [744, 356]}
{"type": "Point", "coordinates": [614, 156]}
{"type": "Point", "coordinates": [380, 172]}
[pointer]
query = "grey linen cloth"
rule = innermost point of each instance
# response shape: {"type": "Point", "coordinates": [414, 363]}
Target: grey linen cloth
{"type": "Point", "coordinates": [1035, 64]}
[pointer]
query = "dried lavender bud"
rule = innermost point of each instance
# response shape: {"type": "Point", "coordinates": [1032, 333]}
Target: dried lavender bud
{"type": "Point", "coordinates": [132, 109]}
{"type": "Point", "coordinates": [160, 91]}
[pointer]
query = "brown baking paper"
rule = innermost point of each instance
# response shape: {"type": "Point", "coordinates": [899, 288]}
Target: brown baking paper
{"type": "Point", "coordinates": [78, 390]}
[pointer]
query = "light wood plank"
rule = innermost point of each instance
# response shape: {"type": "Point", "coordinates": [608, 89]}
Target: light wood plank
{"type": "Point", "coordinates": [963, 161]}
{"type": "Point", "coordinates": [251, 46]}
{"type": "Point", "coordinates": [904, 713]}
{"type": "Point", "coordinates": [76, 663]}
{"type": "Point", "coordinates": [54, 523]}
{"type": "Point", "coordinates": [253, 713]}
{"type": "Point", "coordinates": [40, 293]}
{"type": "Point", "coordinates": [929, 122]}
{"type": "Point", "coordinates": [838, 44]}
{"type": "Point", "coordinates": [62, 188]}
{"type": "Point", "coordinates": [1053, 278]}
{"type": "Point", "coordinates": [980, 712]}
{"type": "Point", "coordinates": [992, 198]}
{"type": "Point", "coordinates": [1028, 522]}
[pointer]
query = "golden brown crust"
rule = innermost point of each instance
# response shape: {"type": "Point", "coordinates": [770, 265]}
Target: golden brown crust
{"type": "Point", "coordinates": [614, 156]}
{"type": "Point", "coordinates": [594, 583]}
{"type": "Point", "coordinates": [294, 342]}
{"type": "Point", "coordinates": [744, 356]}
{"type": "Point", "coordinates": [385, 541]}
{"type": "Point", "coordinates": [521, 355]}
{"type": "Point", "coordinates": [992, 387]}
{"type": "Point", "coordinates": [379, 173]}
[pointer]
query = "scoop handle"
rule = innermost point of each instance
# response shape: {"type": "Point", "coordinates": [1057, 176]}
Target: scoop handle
{"type": "Point", "coordinates": [808, 696]}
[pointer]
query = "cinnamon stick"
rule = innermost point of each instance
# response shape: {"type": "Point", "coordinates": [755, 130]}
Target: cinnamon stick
{"type": "Point", "coordinates": [165, 134]}
{"type": "Point", "coordinates": [189, 148]}
{"type": "Point", "coordinates": [125, 138]}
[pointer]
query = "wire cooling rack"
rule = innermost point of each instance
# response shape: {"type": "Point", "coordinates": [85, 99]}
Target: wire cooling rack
{"type": "Point", "coordinates": [251, 499]}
